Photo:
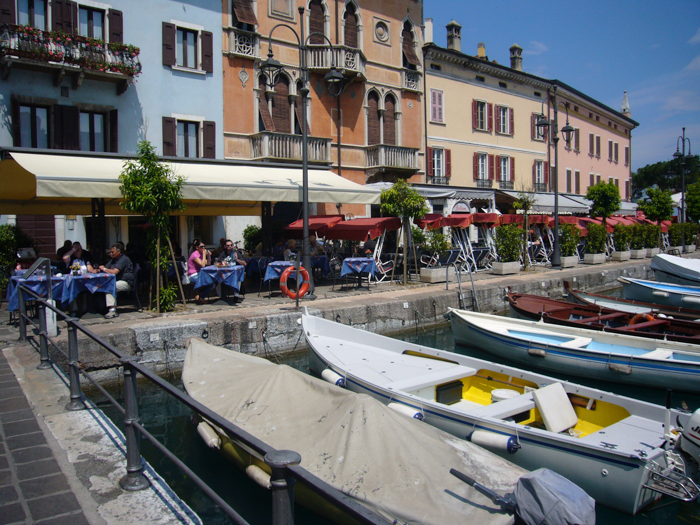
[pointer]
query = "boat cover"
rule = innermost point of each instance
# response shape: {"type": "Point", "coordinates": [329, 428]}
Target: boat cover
{"type": "Point", "coordinates": [687, 269]}
{"type": "Point", "coordinates": [397, 466]}
{"type": "Point", "coordinates": [544, 497]}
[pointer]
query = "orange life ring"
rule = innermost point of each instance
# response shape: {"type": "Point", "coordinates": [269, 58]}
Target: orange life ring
{"type": "Point", "coordinates": [639, 318]}
{"type": "Point", "coordinates": [304, 287]}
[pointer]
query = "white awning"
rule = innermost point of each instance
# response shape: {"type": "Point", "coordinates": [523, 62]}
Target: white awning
{"type": "Point", "coordinates": [38, 176]}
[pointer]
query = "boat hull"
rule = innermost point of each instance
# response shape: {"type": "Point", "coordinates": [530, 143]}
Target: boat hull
{"type": "Point", "coordinates": [664, 294]}
{"type": "Point", "coordinates": [614, 480]}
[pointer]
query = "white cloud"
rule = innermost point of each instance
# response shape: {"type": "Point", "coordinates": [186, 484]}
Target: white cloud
{"type": "Point", "coordinates": [536, 48]}
{"type": "Point", "coordinates": [694, 64]}
{"type": "Point", "coordinates": [696, 38]}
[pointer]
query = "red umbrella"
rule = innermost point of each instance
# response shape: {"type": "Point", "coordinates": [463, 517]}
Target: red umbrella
{"type": "Point", "coordinates": [358, 229]}
{"type": "Point", "coordinates": [317, 223]}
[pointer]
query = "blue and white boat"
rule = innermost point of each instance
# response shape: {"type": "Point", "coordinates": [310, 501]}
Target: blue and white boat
{"type": "Point", "coordinates": [676, 270]}
{"type": "Point", "coordinates": [662, 294]}
{"type": "Point", "coordinates": [621, 451]}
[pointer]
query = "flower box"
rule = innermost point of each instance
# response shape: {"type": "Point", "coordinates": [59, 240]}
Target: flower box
{"type": "Point", "coordinates": [652, 251]}
{"type": "Point", "coordinates": [437, 275]}
{"type": "Point", "coordinates": [621, 256]}
{"type": "Point", "coordinates": [594, 258]}
{"type": "Point", "coordinates": [505, 268]}
{"type": "Point", "coordinates": [568, 261]}
{"type": "Point", "coordinates": [638, 254]}
{"type": "Point", "coordinates": [689, 248]}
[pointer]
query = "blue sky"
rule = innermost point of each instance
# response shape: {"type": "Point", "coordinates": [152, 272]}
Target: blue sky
{"type": "Point", "coordinates": [602, 48]}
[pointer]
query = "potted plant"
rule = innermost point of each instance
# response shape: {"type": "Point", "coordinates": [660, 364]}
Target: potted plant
{"type": "Point", "coordinates": [509, 245]}
{"type": "Point", "coordinates": [595, 244]}
{"type": "Point", "coordinates": [569, 237]}
{"type": "Point", "coordinates": [691, 231]}
{"type": "Point", "coordinates": [651, 239]}
{"type": "Point", "coordinates": [436, 245]}
{"type": "Point", "coordinates": [675, 237]}
{"type": "Point", "coordinates": [621, 237]}
{"type": "Point", "coordinates": [637, 251]}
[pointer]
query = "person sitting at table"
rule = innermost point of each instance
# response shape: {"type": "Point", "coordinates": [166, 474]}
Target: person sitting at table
{"type": "Point", "coordinates": [230, 252]}
{"type": "Point", "coordinates": [83, 257]}
{"type": "Point", "coordinates": [64, 249]}
{"type": "Point", "coordinates": [291, 252]}
{"type": "Point", "coordinates": [315, 246]}
{"type": "Point", "coordinates": [120, 266]}
{"type": "Point", "coordinates": [219, 249]}
{"type": "Point", "coordinates": [368, 247]}
{"type": "Point", "coordinates": [199, 258]}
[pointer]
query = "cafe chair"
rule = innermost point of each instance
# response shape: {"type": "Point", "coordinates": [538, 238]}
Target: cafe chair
{"type": "Point", "coordinates": [262, 268]}
{"type": "Point", "coordinates": [134, 292]}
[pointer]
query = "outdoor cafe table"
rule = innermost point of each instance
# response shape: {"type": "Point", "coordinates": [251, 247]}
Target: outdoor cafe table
{"type": "Point", "coordinates": [210, 276]}
{"type": "Point", "coordinates": [358, 266]}
{"type": "Point", "coordinates": [275, 269]}
{"type": "Point", "coordinates": [35, 283]}
{"type": "Point", "coordinates": [92, 282]}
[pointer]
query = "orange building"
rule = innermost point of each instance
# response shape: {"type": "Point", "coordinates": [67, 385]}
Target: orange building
{"type": "Point", "coordinates": [371, 132]}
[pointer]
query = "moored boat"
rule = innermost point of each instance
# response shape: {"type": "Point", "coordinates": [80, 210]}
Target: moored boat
{"type": "Point", "coordinates": [663, 294]}
{"type": "Point", "coordinates": [628, 305]}
{"type": "Point", "coordinates": [613, 447]}
{"type": "Point", "coordinates": [676, 270]}
{"type": "Point", "coordinates": [396, 466]}
{"type": "Point", "coordinates": [594, 317]}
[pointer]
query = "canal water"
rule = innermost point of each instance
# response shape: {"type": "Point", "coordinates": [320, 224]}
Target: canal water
{"type": "Point", "coordinates": [174, 426]}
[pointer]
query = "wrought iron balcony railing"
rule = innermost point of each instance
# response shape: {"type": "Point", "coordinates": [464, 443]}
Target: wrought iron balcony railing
{"type": "Point", "coordinates": [284, 146]}
{"type": "Point", "coordinates": [347, 59]}
{"type": "Point", "coordinates": [243, 43]}
{"type": "Point", "coordinates": [440, 181]}
{"type": "Point", "coordinates": [25, 45]}
{"type": "Point", "coordinates": [397, 157]}
{"type": "Point", "coordinates": [484, 183]}
{"type": "Point", "coordinates": [506, 184]}
{"type": "Point", "coordinates": [541, 187]}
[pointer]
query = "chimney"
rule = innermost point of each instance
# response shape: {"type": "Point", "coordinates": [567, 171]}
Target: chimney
{"type": "Point", "coordinates": [428, 31]}
{"type": "Point", "coordinates": [516, 57]}
{"type": "Point", "coordinates": [454, 36]}
{"type": "Point", "coordinates": [626, 106]}
{"type": "Point", "coordinates": [481, 50]}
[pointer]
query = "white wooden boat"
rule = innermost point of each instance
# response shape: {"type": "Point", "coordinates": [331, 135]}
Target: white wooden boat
{"type": "Point", "coordinates": [663, 294]}
{"type": "Point", "coordinates": [613, 447]}
{"type": "Point", "coordinates": [676, 270]}
{"type": "Point", "coordinates": [577, 351]}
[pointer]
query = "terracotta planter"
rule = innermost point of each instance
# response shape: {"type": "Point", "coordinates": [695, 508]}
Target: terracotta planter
{"type": "Point", "coordinates": [621, 256]}
{"type": "Point", "coordinates": [638, 254]}
{"type": "Point", "coordinates": [568, 261]}
{"type": "Point", "coordinates": [594, 258]}
{"type": "Point", "coordinates": [505, 268]}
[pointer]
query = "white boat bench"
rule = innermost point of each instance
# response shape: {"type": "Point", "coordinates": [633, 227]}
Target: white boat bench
{"type": "Point", "coordinates": [438, 377]}
{"type": "Point", "coordinates": [632, 430]}
{"type": "Point", "coordinates": [506, 408]}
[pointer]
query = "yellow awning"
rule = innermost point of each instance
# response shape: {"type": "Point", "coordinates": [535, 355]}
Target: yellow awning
{"type": "Point", "coordinates": [31, 182]}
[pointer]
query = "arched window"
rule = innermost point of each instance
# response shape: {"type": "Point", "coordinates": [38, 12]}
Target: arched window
{"type": "Point", "coordinates": [410, 59]}
{"type": "Point", "coordinates": [390, 121]}
{"type": "Point", "coordinates": [280, 106]}
{"type": "Point", "coordinates": [316, 22]}
{"type": "Point", "coordinates": [351, 27]}
{"type": "Point", "coordinates": [373, 136]}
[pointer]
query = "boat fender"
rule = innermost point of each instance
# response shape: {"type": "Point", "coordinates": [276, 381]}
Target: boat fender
{"type": "Point", "coordinates": [492, 440]}
{"type": "Point", "coordinates": [537, 352]}
{"type": "Point", "coordinates": [333, 377]}
{"type": "Point", "coordinates": [258, 475]}
{"type": "Point", "coordinates": [285, 277]}
{"type": "Point", "coordinates": [659, 293]}
{"type": "Point", "coordinates": [406, 411]}
{"type": "Point", "coordinates": [623, 369]}
{"type": "Point", "coordinates": [641, 318]}
{"type": "Point", "coordinates": [690, 299]}
{"type": "Point", "coordinates": [210, 437]}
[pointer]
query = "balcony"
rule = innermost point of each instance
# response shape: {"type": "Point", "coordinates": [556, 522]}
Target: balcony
{"type": "Point", "coordinates": [410, 80]}
{"type": "Point", "coordinates": [484, 183]}
{"type": "Point", "coordinates": [61, 54]}
{"type": "Point", "coordinates": [269, 145]}
{"type": "Point", "coordinates": [541, 187]}
{"type": "Point", "coordinates": [440, 181]}
{"type": "Point", "coordinates": [242, 43]}
{"type": "Point", "coordinates": [506, 185]}
{"type": "Point", "coordinates": [392, 157]}
{"type": "Point", "coordinates": [348, 60]}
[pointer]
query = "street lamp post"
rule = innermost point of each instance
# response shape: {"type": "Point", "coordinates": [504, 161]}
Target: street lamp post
{"type": "Point", "coordinates": [680, 154]}
{"type": "Point", "coordinates": [272, 68]}
{"type": "Point", "coordinates": [567, 131]}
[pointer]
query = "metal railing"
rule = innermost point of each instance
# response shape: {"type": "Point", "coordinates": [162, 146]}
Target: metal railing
{"type": "Point", "coordinates": [243, 43]}
{"type": "Point", "coordinates": [441, 181]}
{"type": "Point", "coordinates": [382, 155]}
{"type": "Point", "coordinates": [541, 187]}
{"type": "Point", "coordinates": [284, 464]}
{"type": "Point", "coordinates": [272, 145]}
{"type": "Point", "coordinates": [506, 184]}
{"type": "Point", "coordinates": [56, 48]}
{"type": "Point", "coordinates": [484, 183]}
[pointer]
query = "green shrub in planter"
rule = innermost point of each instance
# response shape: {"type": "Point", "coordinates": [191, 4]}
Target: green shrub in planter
{"type": "Point", "coordinates": [637, 240]}
{"type": "Point", "coordinates": [675, 234]}
{"type": "Point", "coordinates": [509, 242]}
{"type": "Point", "coordinates": [568, 239]}
{"type": "Point", "coordinates": [651, 235]}
{"type": "Point", "coordinates": [691, 231]}
{"type": "Point", "coordinates": [11, 239]}
{"type": "Point", "coordinates": [436, 242]}
{"type": "Point", "coordinates": [622, 237]}
{"type": "Point", "coordinates": [596, 239]}
{"type": "Point", "coordinates": [252, 236]}
{"type": "Point", "coordinates": [418, 235]}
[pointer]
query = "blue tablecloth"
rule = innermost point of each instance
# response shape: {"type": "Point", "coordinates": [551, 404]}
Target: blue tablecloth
{"type": "Point", "coordinates": [275, 269]}
{"type": "Point", "coordinates": [36, 284]}
{"type": "Point", "coordinates": [321, 261]}
{"type": "Point", "coordinates": [92, 282]}
{"type": "Point", "coordinates": [209, 276]}
{"type": "Point", "coordinates": [358, 265]}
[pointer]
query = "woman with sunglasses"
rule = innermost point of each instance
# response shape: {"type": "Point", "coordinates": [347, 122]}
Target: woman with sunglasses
{"type": "Point", "coordinates": [199, 258]}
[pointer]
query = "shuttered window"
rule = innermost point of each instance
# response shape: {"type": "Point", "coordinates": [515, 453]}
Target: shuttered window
{"type": "Point", "coordinates": [373, 136]}
{"type": "Point", "coordinates": [568, 181]}
{"type": "Point", "coordinates": [116, 26]}
{"type": "Point", "coordinates": [265, 116]}
{"type": "Point", "coordinates": [577, 182]}
{"type": "Point", "coordinates": [448, 163]}
{"type": "Point", "coordinates": [209, 140]}
{"type": "Point", "coordinates": [627, 155]}
{"type": "Point", "coordinates": [243, 13]}
{"type": "Point", "coordinates": [616, 153]}
{"type": "Point", "coordinates": [577, 139]}
{"type": "Point", "coordinates": [390, 121]}
{"type": "Point", "coordinates": [169, 130]}
{"type": "Point", "coordinates": [410, 59]}
{"type": "Point", "coordinates": [316, 22]}
{"type": "Point", "coordinates": [64, 16]}
{"type": "Point", "coordinates": [436, 109]}
{"type": "Point", "coordinates": [7, 13]}
{"type": "Point", "coordinates": [597, 146]}
{"type": "Point", "coordinates": [66, 127]}
{"type": "Point", "coordinates": [350, 26]}
{"type": "Point", "coordinates": [280, 106]}
{"type": "Point", "coordinates": [168, 44]}
{"type": "Point", "coordinates": [591, 144]}
{"type": "Point", "coordinates": [188, 48]}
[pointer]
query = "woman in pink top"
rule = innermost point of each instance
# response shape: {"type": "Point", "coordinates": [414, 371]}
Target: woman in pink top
{"type": "Point", "coordinates": [199, 258]}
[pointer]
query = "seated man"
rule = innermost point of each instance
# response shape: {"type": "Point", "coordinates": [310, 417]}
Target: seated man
{"type": "Point", "coordinates": [120, 266]}
{"type": "Point", "coordinates": [77, 254]}
{"type": "Point", "coordinates": [230, 253]}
